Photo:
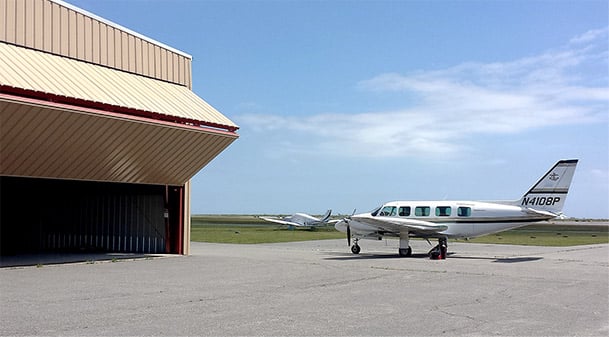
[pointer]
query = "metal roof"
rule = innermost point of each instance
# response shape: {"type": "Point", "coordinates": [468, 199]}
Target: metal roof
{"type": "Point", "coordinates": [31, 73]}
{"type": "Point", "coordinates": [54, 140]}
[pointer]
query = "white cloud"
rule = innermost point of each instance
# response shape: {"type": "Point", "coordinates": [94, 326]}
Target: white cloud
{"type": "Point", "coordinates": [591, 35]}
{"type": "Point", "coordinates": [457, 103]}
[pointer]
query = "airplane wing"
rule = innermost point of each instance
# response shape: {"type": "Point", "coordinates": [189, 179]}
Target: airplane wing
{"type": "Point", "coordinates": [283, 222]}
{"type": "Point", "coordinates": [396, 225]}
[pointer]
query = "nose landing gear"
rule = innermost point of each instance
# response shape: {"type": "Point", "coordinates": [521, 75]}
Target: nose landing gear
{"type": "Point", "coordinates": [355, 249]}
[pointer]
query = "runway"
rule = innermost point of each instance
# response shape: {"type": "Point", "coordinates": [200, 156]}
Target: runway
{"type": "Point", "coordinates": [317, 288]}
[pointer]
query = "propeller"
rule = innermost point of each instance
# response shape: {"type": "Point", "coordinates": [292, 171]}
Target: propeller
{"type": "Point", "coordinates": [348, 234]}
{"type": "Point", "coordinates": [347, 219]}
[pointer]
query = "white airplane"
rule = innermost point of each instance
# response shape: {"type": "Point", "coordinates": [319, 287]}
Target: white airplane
{"type": "Point", "coordinates": [461, 219]}
{"type": "Point", "coordinates": [300, 220]}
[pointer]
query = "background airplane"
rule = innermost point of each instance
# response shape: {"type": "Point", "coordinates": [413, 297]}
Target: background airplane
{"type": "Point", "coordinates": [461, 219]}
{"type": "Point", "coordinates": [300, 219]}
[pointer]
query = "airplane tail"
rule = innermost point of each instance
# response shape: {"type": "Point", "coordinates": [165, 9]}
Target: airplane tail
{"type": "Point", "coordinates": [550, 192]}
{"type": "Point", "coordinates": [326, 216]}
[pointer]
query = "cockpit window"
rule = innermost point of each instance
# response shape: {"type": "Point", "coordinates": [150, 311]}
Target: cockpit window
{"type": "Point", "coordinates": [375, 212]}
{"type": "Point", "coordinates": [388, 211]}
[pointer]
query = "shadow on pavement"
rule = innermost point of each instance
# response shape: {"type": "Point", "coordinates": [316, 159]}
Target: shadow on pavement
{"type": "Point", "coordinates": [41, 259]}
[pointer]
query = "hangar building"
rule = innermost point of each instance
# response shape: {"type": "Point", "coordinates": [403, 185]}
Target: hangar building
{"type": "Point", "coordinates": [100, 134]}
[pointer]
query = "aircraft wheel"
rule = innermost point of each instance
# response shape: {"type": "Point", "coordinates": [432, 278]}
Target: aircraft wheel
{"type": "Point", "coordinates": [355, 249]}
{"type": "Point", "coordinates": [405, 252]}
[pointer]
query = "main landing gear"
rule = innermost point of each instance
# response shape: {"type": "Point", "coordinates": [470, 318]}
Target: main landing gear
{"type": "Point", "coordinates": [439, 252]}
{"type": "Point", "coordinates": [405, 252]}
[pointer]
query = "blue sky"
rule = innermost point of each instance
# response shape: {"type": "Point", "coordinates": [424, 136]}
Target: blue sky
{"type": "Point", "coordinates": [348, 104]}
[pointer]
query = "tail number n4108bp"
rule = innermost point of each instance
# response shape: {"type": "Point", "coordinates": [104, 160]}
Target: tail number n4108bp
{"type": "Point", "coordinates": [540, 201]}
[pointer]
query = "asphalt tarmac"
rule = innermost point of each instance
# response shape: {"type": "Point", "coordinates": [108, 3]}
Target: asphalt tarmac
{"type": "Point", "coordinates": [316, 288]}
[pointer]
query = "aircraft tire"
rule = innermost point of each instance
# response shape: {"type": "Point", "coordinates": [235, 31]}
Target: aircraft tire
{"type": "Point", "coordinates": [405, 252]}
{"type": "Point", "coordinates": [355, 249]}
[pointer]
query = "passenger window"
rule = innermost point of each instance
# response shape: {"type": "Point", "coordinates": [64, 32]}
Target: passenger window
{"type": "Point", "coordinates": [388, 211]}
{"type": "Point", "coordinates": [404, 211]}
{"type": "Point", "coordinates": [464, 211]}
{"type": "Point", "coordinates": [422, 211]}
{"type": "Point", "coordinates": [443, 211]}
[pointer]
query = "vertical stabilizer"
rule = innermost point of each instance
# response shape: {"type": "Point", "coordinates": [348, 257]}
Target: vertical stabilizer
{"type": "Point", "coordinates": [326, 216]}
{"type": "Point", "coordinates": [550, 192]}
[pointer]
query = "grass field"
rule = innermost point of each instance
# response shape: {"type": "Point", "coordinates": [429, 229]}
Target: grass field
{"type": "Point", "coordinates": [248, 229]}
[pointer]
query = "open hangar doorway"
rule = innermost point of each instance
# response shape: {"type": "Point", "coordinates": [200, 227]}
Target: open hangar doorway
{"type": "Point", "coordinates": [54, 215]}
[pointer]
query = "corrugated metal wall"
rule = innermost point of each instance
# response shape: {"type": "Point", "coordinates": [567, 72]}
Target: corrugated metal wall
{"type": "Point", "coordinates": [50, 215]}
{"type": "Point", "coordinates": [51, 27]}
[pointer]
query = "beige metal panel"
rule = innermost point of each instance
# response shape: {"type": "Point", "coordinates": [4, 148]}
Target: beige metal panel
{"type": "Point", "coordinates": [10, 18]}
{"type": "Point", "coordinates": [56, 28]}
{"type": "Point", "coordinates": [131, 54]}
{"type": "Point", "coordinates": [20, 24]}
{"type": "Point", "coordinates": [63, 19]}
{"type": "Point", "coordinates": [124, 51]}
{"type": "Point", "coordinates": [118, 49]}
{"type": "Point", "coordinates": [72, 34]}
{"type": "Point", "coordinates": [146, 64]}
{"type": "Point", "coordinates": [3, 17]}
{"type": "Point", "coordinates": [53, 141]}
{"type": "Point", "coordinates": [81, 38]}
{"type": "Point", "coordinates": [187, 223]}
{"type": "Point", "coordinates": [175, 68]}
{"type": "Point", "coordinates": [181, 70]}
{"type": "Point", "coordinates": [164, 65]}
{"type": "Point", "coordinates": [157, 62]}
{"type": "Point", "coordinates": [137, 57]}
{"type": "Point", "coordinates": [29, 23]}
{"type": "Point", "coordinates": [189, 74]}
{"type": "Point", "coordinates": [39, 25]}
{"type": "Point", "coordinates": [107, 45]}
{"type": "Point", "coordinates": [47, 24]}
{"type": "Point", "coordinates": [64, 43]}
{"type": "Point", "coordinates": [96, 56]}
{"type": "Point", "coordinates": [88, 39]}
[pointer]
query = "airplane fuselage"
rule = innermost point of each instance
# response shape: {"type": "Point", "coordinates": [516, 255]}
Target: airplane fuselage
{"type": "Point", "coordinates": [463, 219]}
